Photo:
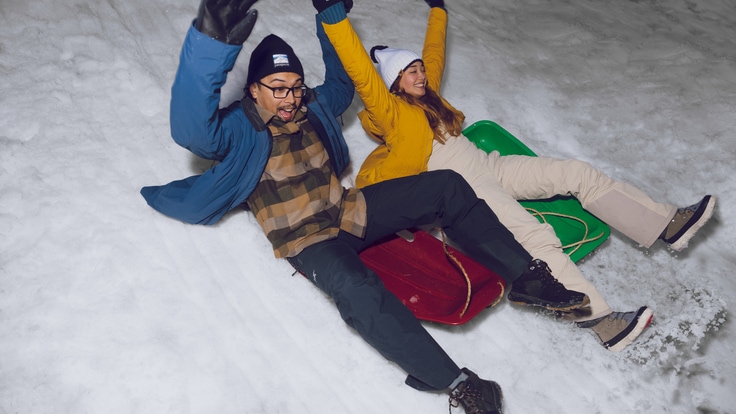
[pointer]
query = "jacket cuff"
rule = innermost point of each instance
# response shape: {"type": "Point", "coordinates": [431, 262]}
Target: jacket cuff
{"type": "Point", "coordinates": [334, 14]}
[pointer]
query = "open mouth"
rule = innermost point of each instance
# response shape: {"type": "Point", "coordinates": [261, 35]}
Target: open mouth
{"type": "Point", "coordinates": [286, 113]}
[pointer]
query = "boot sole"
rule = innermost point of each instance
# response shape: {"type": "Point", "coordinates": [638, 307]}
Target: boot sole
{"type": "Point", "coordinates": [561, 307]}
{"type": "Point", "coordinates": [643, 319]}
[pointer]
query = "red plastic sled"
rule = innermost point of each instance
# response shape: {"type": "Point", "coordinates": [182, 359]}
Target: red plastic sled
{"type": "Point", "coordinates": [425, 279]}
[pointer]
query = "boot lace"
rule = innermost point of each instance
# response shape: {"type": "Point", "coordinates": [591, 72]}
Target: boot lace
{"type": "Point", "coordinates": [469, 398]}
{"type": "Point", "coordinates": [544, 273]}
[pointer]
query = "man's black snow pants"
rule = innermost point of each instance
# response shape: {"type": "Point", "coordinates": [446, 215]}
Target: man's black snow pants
{"type": "Point", "coordinates": [442, 198]}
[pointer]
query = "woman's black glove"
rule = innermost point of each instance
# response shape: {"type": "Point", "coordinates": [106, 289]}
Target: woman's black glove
{"type": "Point", "coordinates": [436, 3]}
{"type": "Point", "coordinates": [229, 21]}
{"type": "Point", "coordinates": [320, 5]}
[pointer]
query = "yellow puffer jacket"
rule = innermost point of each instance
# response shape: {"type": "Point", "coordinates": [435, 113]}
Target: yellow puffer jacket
{"type": "Point", "coordinates": [402, 129]}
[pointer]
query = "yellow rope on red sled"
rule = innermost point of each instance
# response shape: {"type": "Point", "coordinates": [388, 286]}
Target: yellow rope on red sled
{"type": "Point", "coordinates": [467, 278]}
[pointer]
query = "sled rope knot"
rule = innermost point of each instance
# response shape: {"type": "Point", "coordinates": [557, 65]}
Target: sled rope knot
{"type": "Point", "coordinates": [541, 216]}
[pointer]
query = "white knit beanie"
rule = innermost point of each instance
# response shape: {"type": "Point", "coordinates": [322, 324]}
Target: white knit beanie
{"type": "Point", "coordinates": [392, 61]}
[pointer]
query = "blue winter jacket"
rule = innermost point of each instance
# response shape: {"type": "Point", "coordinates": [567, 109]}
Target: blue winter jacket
{"type": "Point", "coordinates": [228, 136]}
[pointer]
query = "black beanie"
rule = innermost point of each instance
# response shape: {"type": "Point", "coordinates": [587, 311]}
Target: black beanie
{"type": "Point", "coordinates": [272, 55]}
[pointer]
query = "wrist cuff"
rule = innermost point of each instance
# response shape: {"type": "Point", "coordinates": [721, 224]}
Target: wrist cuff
{"type": "Point", "coordinates": [334, 14]}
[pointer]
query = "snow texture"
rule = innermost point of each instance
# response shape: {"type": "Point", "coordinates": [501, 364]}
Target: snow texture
{"type": "Point", "coordinates": [107, 306]}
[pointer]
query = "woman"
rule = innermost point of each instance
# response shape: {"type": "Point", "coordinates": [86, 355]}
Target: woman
{"type": "Point", "coordinates": [420, 131]}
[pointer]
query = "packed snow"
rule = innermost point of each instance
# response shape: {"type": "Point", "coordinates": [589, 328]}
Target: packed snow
{"type": "Point", "coordinates": [107, 306]}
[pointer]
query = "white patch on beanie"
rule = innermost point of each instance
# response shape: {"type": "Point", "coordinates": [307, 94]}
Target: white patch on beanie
{"type": "Point", "coordinates": [280, 60]}
{"type": "Point", "coordinates": [392, 61]}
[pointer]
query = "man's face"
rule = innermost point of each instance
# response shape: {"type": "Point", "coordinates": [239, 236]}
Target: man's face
{"type": "Point", "coordinates": [264, 92]}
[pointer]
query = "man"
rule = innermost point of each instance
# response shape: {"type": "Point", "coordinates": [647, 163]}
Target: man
{"type": "Point", "coordinates": [281, 151]}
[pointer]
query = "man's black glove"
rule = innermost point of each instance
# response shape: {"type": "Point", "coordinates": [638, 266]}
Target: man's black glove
{"type": "Point", "coordinates": [323, 4]}
{"type": "Point", "coordinates": [436, 3]}
{"type": "Point", "coordinates": [229, 21]}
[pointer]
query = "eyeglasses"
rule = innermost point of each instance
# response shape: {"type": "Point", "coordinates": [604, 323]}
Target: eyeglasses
{"type": "Point", "coordinates": [281, 92]}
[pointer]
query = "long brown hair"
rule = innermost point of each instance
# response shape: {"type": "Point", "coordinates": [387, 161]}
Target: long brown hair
{"type": "Point", "coordinates": [438, 112]}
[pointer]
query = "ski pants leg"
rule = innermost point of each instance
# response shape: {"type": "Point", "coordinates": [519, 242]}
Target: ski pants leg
{"type": "Point", "coordinates": [539, 239]}
{"type": "Point", "coordinates": [620, 205]}
{"type": "Point", "coordinates": [375, 313]}
{"type": "Point", "coordinates": [364, 303]}
{"type": "Point", "coordinates": [501, 181]}
{"type": "Point", "coordinates": [445, 199]}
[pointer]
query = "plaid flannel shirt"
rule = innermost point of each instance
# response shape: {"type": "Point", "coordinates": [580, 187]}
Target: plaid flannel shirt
{"type": "Point", "coordinates": [299, 201]}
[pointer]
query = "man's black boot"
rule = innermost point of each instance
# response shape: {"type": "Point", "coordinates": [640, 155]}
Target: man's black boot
{"type": "Point", "coordinates": [537, 287]}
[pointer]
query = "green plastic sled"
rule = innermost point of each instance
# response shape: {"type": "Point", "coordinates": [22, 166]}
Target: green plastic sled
{"type": "Point", "coordinates": [579, 231]}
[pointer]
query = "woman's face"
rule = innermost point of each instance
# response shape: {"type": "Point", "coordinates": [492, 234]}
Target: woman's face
{"type": "Point", "coordinates": [414, 80]}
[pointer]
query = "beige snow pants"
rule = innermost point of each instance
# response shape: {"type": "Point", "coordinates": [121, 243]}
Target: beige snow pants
{"type": "Point", "coordinates": [502, 180]}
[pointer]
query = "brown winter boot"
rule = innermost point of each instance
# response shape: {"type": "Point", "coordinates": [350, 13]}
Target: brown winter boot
{"type": "Point", "coordinates": [477, 396]}
{"type": "Point", "coordinates": [619, 329]}
{"type": "Point", "coordinates": [686, 222]}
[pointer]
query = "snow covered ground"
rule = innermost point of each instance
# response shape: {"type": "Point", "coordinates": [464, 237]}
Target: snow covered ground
{"type": "Point", "coordinates": [107, 306]}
